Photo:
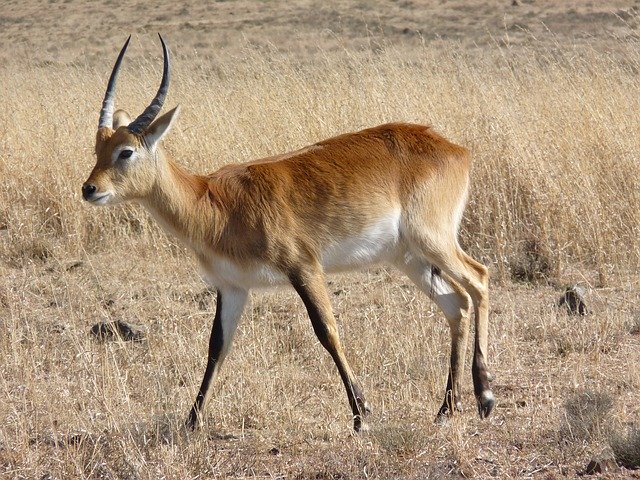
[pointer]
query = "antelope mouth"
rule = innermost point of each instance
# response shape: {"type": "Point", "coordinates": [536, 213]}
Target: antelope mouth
{"type": "Point", "coordinates": [99, 199]}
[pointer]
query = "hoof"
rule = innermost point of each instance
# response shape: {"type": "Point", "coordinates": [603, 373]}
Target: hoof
{"type": "Point", "coordinates": [441, 419]}
{"type": "Point", "coordinates": [193, 423]}
{"type": "Point", "coordinates": [363, 429]}
{"type": "Point", "coordinates": [486, 402]}
{"type": "Point", "coordinates": [363, 409]}
{"type": "Point", "coordinates": [446, 412]}
{"type": "Point", "coordinates": [191, 426]}
{"type": "Point", "coordinates": [359, 425]}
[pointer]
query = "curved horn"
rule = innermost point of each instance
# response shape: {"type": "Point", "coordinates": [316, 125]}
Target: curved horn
{"type": "Point", "coordinates": [106, 114]}
{"type": "Point", "coordinates": [144, 120]}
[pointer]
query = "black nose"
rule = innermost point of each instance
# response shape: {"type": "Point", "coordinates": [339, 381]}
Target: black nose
{"type": "Point", "coordinates": [88, 190]}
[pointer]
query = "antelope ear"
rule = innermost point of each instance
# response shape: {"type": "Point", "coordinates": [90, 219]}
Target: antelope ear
{"type": "Point", "coordinates": [158, 129]}
{"type": "Point", "coordinates": [120, 118]}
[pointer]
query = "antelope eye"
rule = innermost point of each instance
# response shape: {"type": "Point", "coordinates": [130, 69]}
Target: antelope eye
{"type": "Point", "coordinates": [124, 154]}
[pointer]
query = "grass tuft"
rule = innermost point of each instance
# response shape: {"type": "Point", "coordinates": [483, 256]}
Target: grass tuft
{"type": "Point", "coordinates": [587, 415]}
{"type": "Point", "coordinates": [626, 448]}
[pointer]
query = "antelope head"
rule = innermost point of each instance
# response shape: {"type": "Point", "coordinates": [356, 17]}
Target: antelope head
{"type": "Point", "coordinates": [128, 152]}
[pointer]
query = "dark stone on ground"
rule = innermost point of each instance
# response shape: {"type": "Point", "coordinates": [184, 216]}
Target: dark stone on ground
{"type": "Point", "coordinates": [599, 465]}
{"type": "Point", "coordinates": [573, 300]}
{"type": "Point", "coordinates": [119, 329]}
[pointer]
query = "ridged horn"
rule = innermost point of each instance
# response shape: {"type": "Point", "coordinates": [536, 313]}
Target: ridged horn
{"type": "Point", "coordinates": [106, 114]}
{"type": "Point", "coordinates": [141, 123]}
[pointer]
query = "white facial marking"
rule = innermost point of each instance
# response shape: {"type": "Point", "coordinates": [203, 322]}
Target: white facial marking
{"type": "Point", "coordinates": [105, 198]}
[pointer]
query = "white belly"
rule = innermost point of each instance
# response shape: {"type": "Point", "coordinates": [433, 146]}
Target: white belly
{"type": "Point", "coordinates": [377, 243]}
{"type": "Point", "coordinates": [221, 272]}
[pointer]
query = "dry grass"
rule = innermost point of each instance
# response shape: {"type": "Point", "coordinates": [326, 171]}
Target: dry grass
{"type": "Point", "coordinates": [555, 195]}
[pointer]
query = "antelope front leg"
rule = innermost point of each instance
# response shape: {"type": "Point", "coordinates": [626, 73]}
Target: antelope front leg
{"type": "Point", "coordinates": [310, 286]}
{"type": "Point", "coordinates": [229, 307]}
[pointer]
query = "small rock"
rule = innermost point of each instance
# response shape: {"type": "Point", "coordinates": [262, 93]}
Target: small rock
{"type": "Point", "coordinates": [573, 300]}
{"type": "Point", "coordinates": [601, 465]}
{"type": "Point", "coordinates": [109, 331]}
{"type": "Point", "coordinates": [74, 265]}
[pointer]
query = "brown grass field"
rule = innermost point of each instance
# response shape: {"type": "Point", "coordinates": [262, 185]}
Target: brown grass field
{"type": "Point", "coordinates": [546, 95]}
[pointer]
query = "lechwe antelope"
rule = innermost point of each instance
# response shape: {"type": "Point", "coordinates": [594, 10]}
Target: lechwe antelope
{"type": "Point", "coordinates": [393, 193]}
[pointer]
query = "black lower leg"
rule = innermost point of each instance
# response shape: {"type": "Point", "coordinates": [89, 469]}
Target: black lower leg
{"type": "Point", "coordinates": [216, 344]}
{"type": "Point", "coordinates": [357, 402]}
{"type": "Point", "coordinates": [323, 322]}
{"type": "Point", "coordinates": [481, 377]}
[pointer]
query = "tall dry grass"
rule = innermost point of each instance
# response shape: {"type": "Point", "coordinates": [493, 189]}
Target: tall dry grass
{"type": "Point", "coordinates": [553, 134]}
{"type": "Point", "coordinates": [555, 194]}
